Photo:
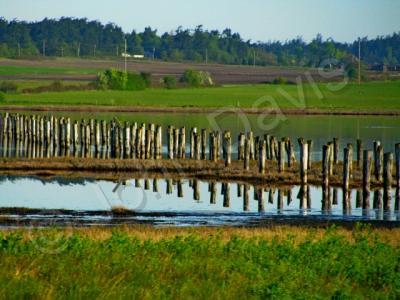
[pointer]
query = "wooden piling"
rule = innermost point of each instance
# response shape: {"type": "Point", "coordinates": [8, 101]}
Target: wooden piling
{"type": "Point", "coordinates": [359, 152]}
{"type": "Point", "coordinates": [310, 147]}
{"type": "Point", "coordinates": [335, 151]}
{"type": "Point", "coordinates": [203, 144]}
{"type": "Point", "coordinates": [262, 150]}
{"type": "Point", "coordinates": [170, 142]}
{"type": "Point", "coordinates": [378, 161]}
{"type": "Point", "coordinates": [241, 146]}
{"type": "Point", "coordinates": [247, 155]}
{"type": "Point", "coordinates": [303, 160]}
{"type": "Point", "coordinates": [387, 179]}
{"type": "Point", "coordinates": [367, 165]}
{"type": "Point", "coordinates": [281, 156]}
{"type": "Point", "coordinates": [228, 151]}
{"type": "Point", "coordinates": [346, 180]}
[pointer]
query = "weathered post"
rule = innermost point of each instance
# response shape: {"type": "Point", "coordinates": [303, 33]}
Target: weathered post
{"type": "Point", "coordinates": [197, 148]}
{"type": "Point", "coordinates": [359, 152]}
{"type": "Point", "coordinates": [281, 156]}
{"type": "Point", "coordinates": [203, 144]}
{"type": "Point", "coordinates": [378, 161]}
{"type": "Point", "coordinates": [387, 179]}
{"type": "Point", "coordinates": [335, 151]}
{"type": "Point", "coordinates": [247, 155]}
{"type": "Point", "coordinates": [367, 157]}
{"type": "Point", "coordinates": [170, 142]}
{"type": "Point", "coordinates": [182, 143]}
{"type": "Point", "coordinates": [228, 145]}
{"type": "Point", "coordinates": [325, 173]}
{"type": "Point", "coordinates": [303, 160]}
{"type": "Point", "coordinates": [176, 142]}
{"type": "Point", "coordinates": [331, 150]}
{"type": "Point", "coordinates": [193, 132]}
{"type": "Point", "coordinates": [310, 147]}
{"type": "Point", "coordinates": [241, 145]}
{"type": "Point", "coordinates": [350, 147]}
{"type": "Point", "coordinates": [272, 148]}
{"type": "Point", "coordinates": [250, 137]}
{"type": "Point", "coordinates": [289, 152]}
{"type": "Point", "coordinates": [346, 180]}
{"type": "Point", "coordinates": [159, 142]}
{"type": "Point", "coordinates": [262, 148]}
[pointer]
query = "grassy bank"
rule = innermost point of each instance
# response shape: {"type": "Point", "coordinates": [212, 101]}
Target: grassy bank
{"type": "Point", "coordinates": [372, 96]}
{"type": "Point", "coordinates": [227, 263]}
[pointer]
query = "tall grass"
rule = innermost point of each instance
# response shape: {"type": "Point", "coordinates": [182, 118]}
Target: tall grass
{"type": "Point", "coordinates": [123, 264]}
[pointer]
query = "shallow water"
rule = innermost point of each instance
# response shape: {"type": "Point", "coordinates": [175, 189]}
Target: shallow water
{"type": "Point", "coordinates": [178, 203]}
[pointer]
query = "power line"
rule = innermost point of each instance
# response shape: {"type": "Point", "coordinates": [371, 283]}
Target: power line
{"type": "Point", "coordinates": [359, 61]}
{"type": "Point", "coordinates": [125, 57]}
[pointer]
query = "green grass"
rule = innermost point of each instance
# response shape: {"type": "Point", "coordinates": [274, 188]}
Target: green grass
{"type": "Point", "coordinates": [25, 70]}
{"type": "Point", "coordinates": [197, 266]}
{"type": "Point", "coordinates": [368, 96]}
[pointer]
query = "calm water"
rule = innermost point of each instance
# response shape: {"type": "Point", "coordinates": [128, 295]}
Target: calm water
{"type": "Point", "coordinates": [320, 129]}
{"type": "Point", "coordinates": [179, 203]}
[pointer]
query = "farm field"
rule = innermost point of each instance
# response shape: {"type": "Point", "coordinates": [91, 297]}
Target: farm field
{"type": "Point", "coordinates": [371, 96]}
{"type": "Point", "coordinates": [86, 69]}
{"type": "Point", "coordinates": [147, 263]}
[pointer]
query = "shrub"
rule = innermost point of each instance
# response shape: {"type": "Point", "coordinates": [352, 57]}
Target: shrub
{"type": "Point", "coordinates": [196, 78]}
{"type": "Point", "coordinates": [2, 97]}
{"type": "Point", "coordinates": [169, 82]}
{"type": "Point", "coordinates": [8, 87]}
{"type": "Point", "coordinates": [117, 80]}
{"type": "Point", "coordinates": [135, 82]}
{"type": "Point", "coordinates": [147, 78]}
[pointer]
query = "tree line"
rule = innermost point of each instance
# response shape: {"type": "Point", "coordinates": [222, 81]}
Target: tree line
{"type": "Point", "coordinates": [84, 38]}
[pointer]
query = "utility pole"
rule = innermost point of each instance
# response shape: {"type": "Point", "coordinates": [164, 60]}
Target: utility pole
{"type": "Point", "coordinates": [44, 48]}
{"type": "Point", "coordinates": [78, 51]}
{"type": "Point", "coordinates": [359, 61]}
{"type": "Point", "coordinates": [19, 49]}
{"type": "Point", "coordinates": [94, 50]}
{"type": "Point", "coordinates": [62, 51]}
{"type": "Point", "coordinates": [125, 54]}
{"type": "Point", "coordinates": [154, 53]}
{"type": "Point", "coordinates": [117, 50]}
{"type": "Point", "coordinates": [206, 56]}
{"type": "Point", "coordinates": [254, 58]}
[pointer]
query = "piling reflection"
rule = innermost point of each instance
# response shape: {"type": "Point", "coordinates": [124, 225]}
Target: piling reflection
{"type": "Point", "coordinates": [194, 196]}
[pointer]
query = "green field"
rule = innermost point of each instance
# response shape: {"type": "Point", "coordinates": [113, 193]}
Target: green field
{"type": "Point", "coordinates": [166, 264]}
{"type": "Point", "coordinates": [27, 70]}
{"type": "Point", "coordinates": [377, 96]}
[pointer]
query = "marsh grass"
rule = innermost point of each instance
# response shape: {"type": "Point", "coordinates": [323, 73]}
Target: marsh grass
{"type": "Point", "coordinates": [170, 263]}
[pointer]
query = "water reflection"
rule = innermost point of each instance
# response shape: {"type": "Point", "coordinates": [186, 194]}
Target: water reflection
{"type": "Point", "coordinates": [193, 197]}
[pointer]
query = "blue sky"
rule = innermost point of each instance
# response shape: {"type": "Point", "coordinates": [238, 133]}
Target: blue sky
{"type": "Point", "coordinates": [264, 20]}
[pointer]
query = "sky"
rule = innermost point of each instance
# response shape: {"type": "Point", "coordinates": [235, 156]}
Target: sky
{"type": "Point", "coordinates": [258, 20]}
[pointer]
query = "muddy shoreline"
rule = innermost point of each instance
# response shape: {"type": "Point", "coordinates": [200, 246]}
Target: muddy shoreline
{"type": "Point", "coordinates": [116, 170]}
{"type": "Point", "coordinates": [191, 110]}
